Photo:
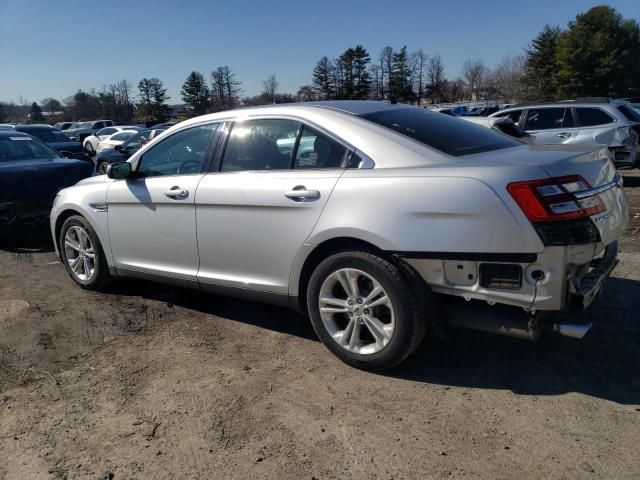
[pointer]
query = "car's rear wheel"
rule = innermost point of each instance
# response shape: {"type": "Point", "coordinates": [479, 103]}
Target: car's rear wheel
{"type": "Point", "coordinates": [82, 254]}
{"type": "Point", "coordinates": [364, 310]}
{"type": "Point", "coordinates": [102, 167]}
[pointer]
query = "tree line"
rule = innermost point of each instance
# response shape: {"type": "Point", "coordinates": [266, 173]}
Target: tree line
{"type": "Point", "coordinates": [597, 54]}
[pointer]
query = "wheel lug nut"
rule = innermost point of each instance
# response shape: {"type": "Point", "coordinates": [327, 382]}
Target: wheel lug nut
{"type": "Point", "coordinates": [350, 302]}
{"type": "Point", "coordinates": [350, 314]}
{"type": "Point", "coordinates": [366, 311]}
{"type": "Point", "coordinates": [359, 300]}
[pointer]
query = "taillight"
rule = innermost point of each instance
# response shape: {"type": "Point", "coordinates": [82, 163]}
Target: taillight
{"type": "Point", "coordinates": [555, 199]}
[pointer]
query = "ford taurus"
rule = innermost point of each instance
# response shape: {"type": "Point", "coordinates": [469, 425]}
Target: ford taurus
{"type": "Point", "coordinates": [381, 222]}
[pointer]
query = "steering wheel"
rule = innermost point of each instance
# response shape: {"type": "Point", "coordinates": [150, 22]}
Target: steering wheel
{"type": "Point", "coordinates": [190, 166]}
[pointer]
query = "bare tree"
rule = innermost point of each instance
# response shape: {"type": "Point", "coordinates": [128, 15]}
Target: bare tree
{"type": "Point", "coordinates": [270, 87]}
{"type": "Point", "coordinates": [385, 59]}
{"type": "Point", "coordinates": [435, 77]}
{"type": "Point", "coordinates": [507, 77]}
{"type": "Point", "coordinates": [475, 72]}
{"type": "Point", "coordinates": [419, 62]}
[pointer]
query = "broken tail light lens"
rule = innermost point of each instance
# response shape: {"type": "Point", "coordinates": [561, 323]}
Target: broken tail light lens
{"type": "Point", "coordinates": [555, 199]}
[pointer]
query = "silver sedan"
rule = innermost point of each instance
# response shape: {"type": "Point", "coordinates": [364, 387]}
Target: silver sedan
{"type": "Point", "coordinates": [381, 222]}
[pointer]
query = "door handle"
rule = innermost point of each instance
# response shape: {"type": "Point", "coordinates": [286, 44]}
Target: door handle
{"type": "Point", "coordinates": [563, 135]}
{"type": "Point", "coordinates": [177, 193]}
{"type": "Point", "coordinates": [301, 194]}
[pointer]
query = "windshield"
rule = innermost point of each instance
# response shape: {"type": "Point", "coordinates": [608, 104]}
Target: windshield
{"type": "Point", "coordinates": [444, 133]}
{"type": "Point", "coordinates": [49, 136]}
{"type": "Point", "coordinates": [629, 112]}
{"type": "Point", "coordinates": [24, 148]}
{"type": "Point", "coordinates": [83, 125]}
{"type": "Point", "coordinates": [137, 141]}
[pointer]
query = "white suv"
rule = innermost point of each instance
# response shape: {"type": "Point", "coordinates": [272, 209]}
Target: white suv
{"type": "Point", "coordinates": [610, 122]}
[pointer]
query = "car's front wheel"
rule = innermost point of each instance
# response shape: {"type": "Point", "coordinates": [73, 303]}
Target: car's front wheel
{"type": "Point", "coordinates": [364, 310]}
{"type": "Point", "coordinates": [82, 254]}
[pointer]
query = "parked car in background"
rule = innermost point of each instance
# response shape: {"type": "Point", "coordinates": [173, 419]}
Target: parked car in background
{"type": "Point", "coordinates": [55, 139]}
{"type": "Point", "coordinates": [31, 173]}
{"type": "Point", "coordinates": [390, 204]}
{"type": "Point", "coordinates": [82, 131]}
{"type": "Point", "coordinates": [90, 143]}
{"type": "Point", "coordinates": [608, 122]}
{"type": "Point", "coordinates": [502, 125]}
{"type": "Point", "coordinates": [7, 126]}
{"type": "Point", "coordinates": [63, 125]}
{"type": "Point", "coordinates": [120, 153]}
{"type": "Point", "coordinates": [115, 140]}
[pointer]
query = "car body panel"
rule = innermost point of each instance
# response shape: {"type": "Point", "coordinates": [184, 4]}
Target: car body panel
{"type": "Point", "coordinates": [235, 209]}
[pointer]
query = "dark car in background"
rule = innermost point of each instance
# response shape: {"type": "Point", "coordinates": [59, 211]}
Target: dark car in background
{"type": "Point", "coordinates": [63, 125]}
{"type": "Point", "coordinates": [31, 174]}
{"type": "Point", "coordinates": [83, 130]}
{"type": "Point", "coordinates": [120, 153]}
{"type": "Point", "coordinates": [55, 139]}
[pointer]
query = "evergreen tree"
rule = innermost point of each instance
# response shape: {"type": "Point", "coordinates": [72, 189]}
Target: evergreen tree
{"type": "Point", "coordinates": [195, 93]}
{"type": "Point", "coordinates": [36, 113]}
{"type": "Point", "coordinates": [361, 77]}
{"type": "Point", "coordinates": [540, 65]}
{"type": "Point", "coordinates": [599, 55]}
{"type": "Point", "coordinates": [400, 79]}
{"type": "Point", "coordinates": [323, 79]}
{"type": "Point", "coordinates": [153, 96]}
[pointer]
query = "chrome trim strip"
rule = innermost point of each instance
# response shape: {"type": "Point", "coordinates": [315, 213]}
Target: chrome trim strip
{"type": "Point", "coordinates": [597, 190]}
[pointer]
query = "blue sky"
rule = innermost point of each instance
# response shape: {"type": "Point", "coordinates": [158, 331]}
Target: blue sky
{"type": "Point", "coordinates": [52, 48]}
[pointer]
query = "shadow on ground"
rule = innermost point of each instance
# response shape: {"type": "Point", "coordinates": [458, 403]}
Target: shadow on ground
{"type": "Point", "coordinates": [605, 364]}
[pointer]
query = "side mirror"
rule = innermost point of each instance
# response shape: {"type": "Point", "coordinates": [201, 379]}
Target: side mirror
{"type": "Point", "coordinates": [119, 170]}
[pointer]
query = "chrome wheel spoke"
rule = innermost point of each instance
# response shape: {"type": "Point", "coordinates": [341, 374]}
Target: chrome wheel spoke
{"type": "Point", "coordinates": [352, 278]}
{"type": "Point", "coordinates": [85, 263]}
{"type": "Point", "coordinates": [71, 244]}
{"type": "Point", "coordinates": [377, 329]}
{"type": "Point", "coordinates": [75, 264]}
{"type": "Point", "coordinates": [346, 285]}
{"type": "Point", "coordinates": [89, 253]}
{"type": "Point", "coordinates": [383, 300]}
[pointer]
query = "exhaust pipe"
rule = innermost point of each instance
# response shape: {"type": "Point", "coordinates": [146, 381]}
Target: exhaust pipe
{"type": "Point", "coordinates": [573, 330]}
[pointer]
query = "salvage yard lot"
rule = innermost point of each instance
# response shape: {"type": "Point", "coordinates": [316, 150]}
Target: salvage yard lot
{"type": "Point", "coordinates": [149, 381]}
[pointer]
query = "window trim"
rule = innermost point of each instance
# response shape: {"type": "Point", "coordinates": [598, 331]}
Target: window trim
{"type": "Point", "coordinates": [207, 156]}
{"type": "Point", "coordinates": [216, 164]}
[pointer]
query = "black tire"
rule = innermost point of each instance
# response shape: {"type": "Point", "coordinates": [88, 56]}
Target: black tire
{"type": "Point", "coordinates": [101, 167]}
{"type": "Point", "coordinates": [410, 321]}
{"type": "Point", "coordinates": [89, 149]}
{"type": "Point", "coordinates": [100, 277]}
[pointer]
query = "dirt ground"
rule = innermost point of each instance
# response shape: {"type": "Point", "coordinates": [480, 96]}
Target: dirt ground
{"type": "Point", "coordinates": [155, 382]}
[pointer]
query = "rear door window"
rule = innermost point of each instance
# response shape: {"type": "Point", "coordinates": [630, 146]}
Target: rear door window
{"type": "Point", "coordinates": [317, 150]}
{"type": "Point", "coordinates": [549, 118]}
{"type": "Point", "coordinates": [590, 117]}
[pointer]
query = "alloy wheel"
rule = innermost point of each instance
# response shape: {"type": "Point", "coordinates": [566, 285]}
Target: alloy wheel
{"type": "Point", "coordinates": [79, 253]}
{"type": "Point", "coordinates": [356, 311]}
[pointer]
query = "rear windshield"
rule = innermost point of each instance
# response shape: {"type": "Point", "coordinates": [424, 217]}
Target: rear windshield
{"type": "Point", "coordinates": [629, 112]}
{"type": "Point", "coordinates": [24, 148]}
{"type": "Point", "coordinates": [442, 132]}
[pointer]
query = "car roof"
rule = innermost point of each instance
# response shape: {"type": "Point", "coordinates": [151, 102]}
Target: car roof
{"type": "Point", "coordinates": [33, 127]}
{"type": "Point", "coordinates": [12, 133]}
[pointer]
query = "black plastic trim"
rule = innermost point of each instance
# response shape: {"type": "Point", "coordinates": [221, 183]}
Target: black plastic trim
{"type": "Point", "coordinates": [472, 256]}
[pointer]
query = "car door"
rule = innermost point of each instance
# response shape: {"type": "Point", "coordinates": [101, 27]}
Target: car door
{"type": "Point", "coordinates": [255, 212]}
{"type": "Point", "coordinates": [551, 125]}
{"type": "Point", "coordinates": [151, 216]}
